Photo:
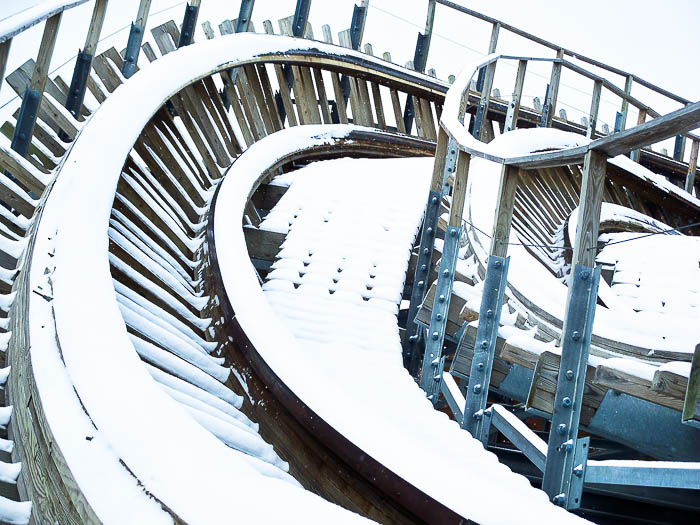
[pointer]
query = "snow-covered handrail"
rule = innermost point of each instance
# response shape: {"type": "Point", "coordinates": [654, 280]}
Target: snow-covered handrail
{"type": "Point", "coordinates": [15, 24]}
{"type": "Point", "coordinates": [672, 124]}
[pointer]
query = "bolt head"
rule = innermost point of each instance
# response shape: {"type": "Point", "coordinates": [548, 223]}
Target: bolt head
{"type": "Point", "coordinates": [477, 389]}
{"type": "Point", "coordinates": [441, 298]}
{"type": "Point", "coordinates": [446, 273]}
{"type": "Point", "coordinates": [421, 284]}
{"type": "Point", "coordinates": [426, 251]}
{"type": "Point", "coordinates": [438, 317]}
{"type": "Point", "coordinates": [484, 344]}
{"type": "Point", "coordinates": [566, 401]}
{"type": "Point", "coordinates": [576, 335]}
{"type": "Point", "coordinates": [434, 200]}
{"type": "Point", "coordinates": [562, 428]}
{"type": "Point", "coordinates": [454, 232]}
{"type": "Point", "coordinates": [569, 374]}
{"type": "Point", "coordinates": [423, 267]}
{"type": "Point", "coordinates": [489, 313]}
{"type": "Point", "coordinates": [435, 335]}
{"type": "Point", "coordinates": [497, 264]}
{"type": "Point", "coordinates": [584, 276]}
{"type": "Point", "coordinates": [480, 367]}
{"type": "Point", "coordinates": [430, 230]}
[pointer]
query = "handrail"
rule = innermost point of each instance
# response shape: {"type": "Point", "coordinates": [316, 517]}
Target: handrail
{"type": "Point", "coordinates": [565, 51]}
{"type": "Point", "coordinates": [15, 24]}
{"type": "Point", "coordinates": [78, 294]}
{"type": "Point", "coordinates": [674, 123]}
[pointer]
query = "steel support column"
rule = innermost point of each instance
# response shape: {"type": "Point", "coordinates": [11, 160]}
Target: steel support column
{"type": "Point", "coordinates": [485, 344]}
{"type": "Point", "coordinates": [559, 469]}
{"type": "Point", "coordinates": [188, 24]}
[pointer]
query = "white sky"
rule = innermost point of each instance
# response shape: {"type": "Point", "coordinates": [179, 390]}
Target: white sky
{"type": "Point", "coordinates": [654, 40]}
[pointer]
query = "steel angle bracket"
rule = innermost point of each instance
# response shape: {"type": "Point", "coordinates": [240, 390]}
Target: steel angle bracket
{"type": "Point", "coordinates": [420, 280]}
{"type": "Point", "coordinates": [485, 344]}
{"type": "Point", "coordinates": [558, 473]}
{"type": "Point", "coordinates": [424, 263]}
{"type": "Point", "coordinates": [188, 25]}
{"type": "Point", "coordinates": [25, 121]}
{"type": "Point", "coordinates": [478, 119]}
{"type": "Point", "coordinates": [131, 55]}
{"type": "Point", "coordinates": [431, 375]}
{"type": "Point", "coordinates": [579, 473]}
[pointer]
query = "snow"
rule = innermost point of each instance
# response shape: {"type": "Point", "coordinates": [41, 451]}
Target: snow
{"type": "Point", "coordinates": [15, 512]}
{"type": "Point", "coordinates": [140, 427]}
{"type": "Point", "coordinates": [528, 278]}
{"type": "Point", "coordinates": [323, 343]}
{"type": "Point", "coordinates": [16, 23]}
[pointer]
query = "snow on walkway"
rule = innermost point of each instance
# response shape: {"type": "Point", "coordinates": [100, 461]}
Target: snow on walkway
{"type": "Point", "coordinates": [335, 288]}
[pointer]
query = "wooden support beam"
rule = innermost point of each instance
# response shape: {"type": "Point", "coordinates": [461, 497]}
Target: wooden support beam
{"type": "Point", "coordinates": [504, 211]}
{"type": "Point", "coordinates": [4, 54]}
{"type": "Point", "coordinates": [514, 107]}
{"type": "Point", "coordinates": [641, 118]}
{"type": "Point", "coordinates": [625, 103]}
{"type": "Point", "coordinates": [692, 167]}
{"type": "Point", "coordinates": [460, 189]}
{"type": "Point", "coordinates": [595, 107]}
{"type": "Point", "coordinates": [589, 209]}
{"type": "Point", "coordinates": [43, 59]}
{"type": "Point", "coordinates": [551, 102]}
{"type": "Point", "coordinates": [482, 111]}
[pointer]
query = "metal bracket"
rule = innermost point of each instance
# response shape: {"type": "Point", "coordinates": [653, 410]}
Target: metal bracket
{"type": "Point", "coordinates": [419, 60]}
{"type": "Point", "coordinates": [578, 326]}
{"type": "Point", "coordinates": [132, 50]}
{"type": "Point", "coordinates": [425, 261]}
{"type": "Point", "coordinates": [544, 118]}
{"type": "Point", "coordinates": [356, 27]}
{"type": "Point", "coordinates": [485, 344]}
{"type": "Point", "coordinates": [478, 119]}
{"type": "Point", "coordinates": [25, 121]}
{"type": "Point", "coordinates": [618, 122]}
{"type": "Point", "coordinates": [420, 280]}
{"type": "Point", "coordinates": [580, 463]}
{"type": "Point", "coordinates": [244, 15]}
{"type": "Point", "coordinates": [78, 84]}
{"type": "Point", "coordinates": [431, 375]}
{"type": "Point", "coordinates": [188, 23]}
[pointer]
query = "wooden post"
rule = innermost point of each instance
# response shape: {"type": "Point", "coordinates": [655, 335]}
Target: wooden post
{"type": "Point", "coordinates": [4, 53]}
{"type": "Point", "coordinates": [34, 92]}
{"type": "Point", "coordinates": [514, 107]}
{"type": "Point", "coordinates": [692, 166]}
{"type": "Point", "coordinates": [595, 106]}
{"type": "Point", "coordinates": [634, 155]}
{"type": "Point", "coordinates": [589, 208]}
{"type": "Point", "coordinates": [83, 62]}
{"type": "Point", "coordinates": [625, 103]}
{"type": "Point", "coordinates": [135, 38]}
{"type": "Point", "coordinates": [482, 111]}
{"type": "Point", "coordinates": [550, 103]}
{"type": "Point", "coordinates": [504, 211]}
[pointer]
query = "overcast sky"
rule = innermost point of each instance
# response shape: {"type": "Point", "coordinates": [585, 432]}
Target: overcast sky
{"type": "Point", "coordinates": [654, 40]}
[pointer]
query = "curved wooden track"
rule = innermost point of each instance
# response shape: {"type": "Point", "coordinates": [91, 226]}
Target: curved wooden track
{"type": "Point", "coordinates": [120, 336]}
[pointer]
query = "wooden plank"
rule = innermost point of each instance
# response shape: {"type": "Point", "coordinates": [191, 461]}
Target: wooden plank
{"type": "Point", "coordinates": [212, 100]}
{"type": "Point", "coordinates": [95, 28]}
{"type": "Point", "coordinates": [428, 120]}
{"type": "Point", "coordinates": [691, 406]}
{"type": "Point", "coordinates": [553, 93]}
{"type": "Point", "coordinates": [253, 81]}
{"type": "Point", "coordinates": [692, 167]}
{"type": "Point", "coordinates": [488, 79]}
{"type": "Point", "coordinates": [48, 40]}
{"type": "Point", "coordinates": [207, 30]}
{"type": "Point", "coordinates": [504, 211]}
{"type": "Point", "coordinates": [620, 381]}
{"type": "Point", "coordinates": [250, 109]}
{"type": "Point", "coordinates": [460, 188]}
{"type": "Point", "coordinates": [670, 384]}
{"type": "Point", "coordinates": [323, 98]}
{"type": "Point", "coordinates": [595, 108]}
{"type": "Point", "coordinates": [310, 94]}
{"type": "Point", "coordinates": [232, 96]}
{"type": "Point", "coordinates": [263, 245]}
{"type": "Point", "coordinates": [376, 94]}
{"type": "Point", "coordinates": [589, 210]}
{"type": "Point", "coordinates": [464, 355]}
{"type": "Point", "coordinates": [21, 170]}
{"type": "Point", "coordinates": [269, 97]}
{"type": "Point", "coordinates": [4, 53]}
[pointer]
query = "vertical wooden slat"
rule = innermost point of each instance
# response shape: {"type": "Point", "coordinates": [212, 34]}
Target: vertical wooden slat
{"type": "Point", "coordinates": [553, 93]}
{"type": "Point", "coordinates": [269, 97]}
{"type": "Point", "coordinates": [48, 40]}
{"type": "Point", "coordinates": [641, 118]}
{"type": "Point", "coordinates": [428, 121]}
{"type": "Point", "coordinates": [376, 95]}
{"type": "Point", "coordinates": [488, 80]}
{"type": "Point", "coordinates": [514, 108]}
{"type": "Point", "coordinates": [323, 98]}
{"type": "Point", "coordinates": [692, 166]}
{"type": "Point", "coordinates": [282, 82]}
{"type": "Point", "coordinates": [595, 106]}
{"type": "Point", "coordinates": [589, 209]}
{"type": "Point", "coordinates": [310, 93]}
{"type": "Point", "coordinates": [460, 189]}
{"type": "Point", "coordinates": [625, 103]}
{"type": "Point", "coordinates": [255, 87]}
{"type": "Point", "coordinates": [396, 103]}
{"type": "Point", "coordinates": [4, 53]}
